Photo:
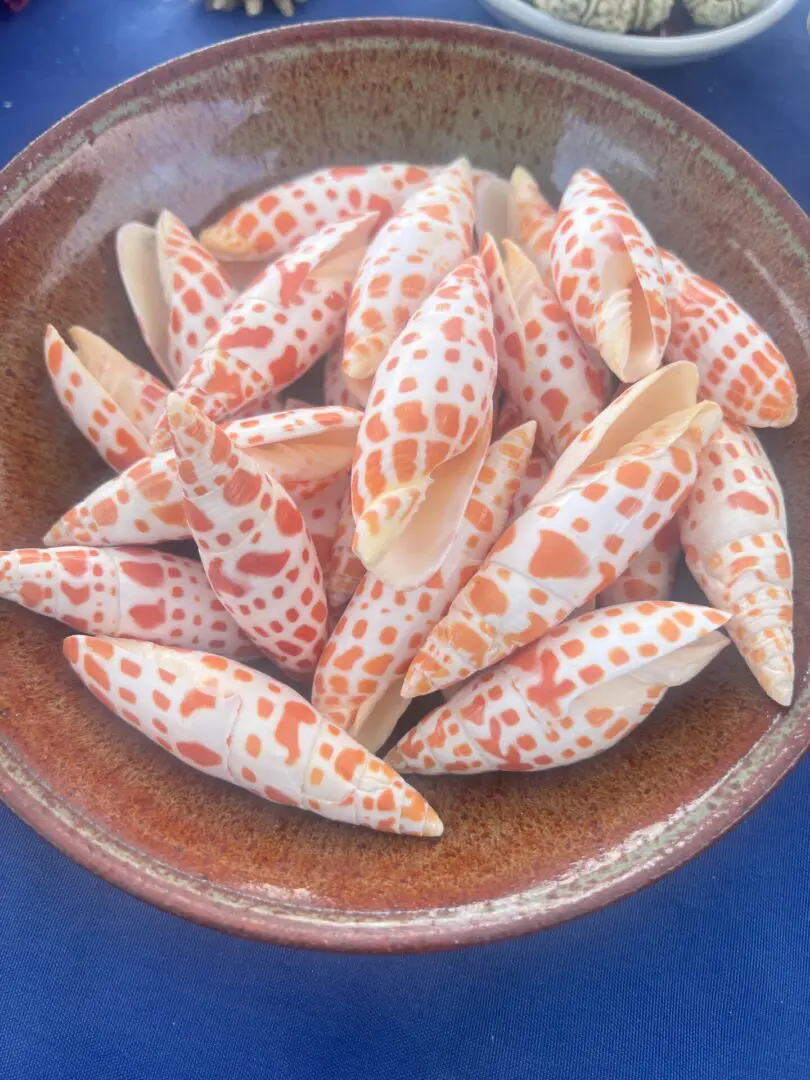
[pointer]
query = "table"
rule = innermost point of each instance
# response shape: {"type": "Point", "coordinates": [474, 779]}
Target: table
{"type": "Point", "coordinates": [704, 975]}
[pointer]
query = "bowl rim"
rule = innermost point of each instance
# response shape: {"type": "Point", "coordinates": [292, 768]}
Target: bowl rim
{"type": "Point", "coordinates": [688, 46]}
{"type": "Point", "coordinates": [746, 783]}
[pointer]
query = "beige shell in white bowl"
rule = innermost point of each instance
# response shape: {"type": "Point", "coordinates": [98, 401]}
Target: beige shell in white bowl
{"type": "Point", "coordinates": [631, 50]}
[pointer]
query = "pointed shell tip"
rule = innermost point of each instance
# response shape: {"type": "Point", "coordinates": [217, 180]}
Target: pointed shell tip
{"type": "Point", "coordinates": [433, 824]}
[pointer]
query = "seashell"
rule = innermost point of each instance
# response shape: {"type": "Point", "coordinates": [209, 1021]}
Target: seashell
{"type": "Point", "coordinates": [279, 328]}
{"type": "Point", "coordinates": [719, 13]}
{"type": "Point", "coordinates": [359, 676]}
{"type": "Point", "coordinates": [335, 390]}
{"type": "Point", "coordinates": [321, 513]}
{"type": "Point", "coordinates": [536, 474]}
{"type": "Point", "coordinates": [306, 450]}
{"type": "Point", "coordinates": [734, 534]}
{"type": "Point", "coordinates": [270, 224]}
{"type": "Point", "coordinates": [666, 391]}
{"type": "Point", "coordinates": [491, 193]}
{"type": "Point", "coordinates": [609, 279]}
{"type": "Point", "coordinates": [253, 543]}
{"type": "Point", "coordinates": [531, 221]}
{"type": "Point", "coordinates": [177, 291]}
{"type": "Point", "coordinates": [407, 259]}
{"type": "Point", "coordinates": [739, 365]}
{"type": "Point", "coordinates": [234, 723]}
{"type": "Point", "coordinates": [651, 575]}
{"type": "Point", "coordinates": [544, 368]}
{"type": "Point", "coordinates": [425, 432]}
{"type": "Point", "coordinates": [567, 547]}
{"type": "Point", "coordinates": [616, 16]}
{"type": "Point", "coordinates": [113, 402]}
{"type": "Point", "coordinates": [344, 572]}
{"type": "Point", "coordinates": [123, 592]}
{"type": "Point", "coordinates": [576, 692]}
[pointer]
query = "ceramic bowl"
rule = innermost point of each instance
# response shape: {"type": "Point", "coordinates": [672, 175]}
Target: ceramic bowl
{"type": "Point", "coordinates": [637, 51]}
{"type": "Point", "coordinates": [520, 852]}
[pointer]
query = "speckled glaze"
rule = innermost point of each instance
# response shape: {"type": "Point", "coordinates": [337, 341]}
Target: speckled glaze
{"type": "Point", "coordinates": [520, 851]}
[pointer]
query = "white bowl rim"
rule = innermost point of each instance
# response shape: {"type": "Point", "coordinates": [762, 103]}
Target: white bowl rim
{"type": "Point", "coordinates": [694, 45]}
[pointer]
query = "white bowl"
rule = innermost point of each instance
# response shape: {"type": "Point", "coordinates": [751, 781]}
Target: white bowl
{"type": "Point", "coordinates": [630, 50]}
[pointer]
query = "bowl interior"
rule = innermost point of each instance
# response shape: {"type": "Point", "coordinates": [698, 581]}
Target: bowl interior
{"type": "Point", "coordinates": [519, 851]}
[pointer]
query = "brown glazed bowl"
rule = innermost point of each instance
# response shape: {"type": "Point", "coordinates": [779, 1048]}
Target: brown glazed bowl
{"type": "Point", "coordinates": [519, 852]}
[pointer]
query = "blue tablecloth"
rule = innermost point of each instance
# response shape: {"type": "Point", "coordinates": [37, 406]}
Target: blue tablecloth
{"type": "Point", "coordinates": [705, 975]}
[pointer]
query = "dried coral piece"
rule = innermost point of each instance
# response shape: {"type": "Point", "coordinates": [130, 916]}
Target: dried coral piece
{"type": "Point", "coordinates": [359, 676]}
{"type": "Point", "coordinates": [123, 592]}
{"type": "Point", "coordinates": [113, 402]}
{"type": "Point", "coordinates": [740, 367]}
{"type": "Point", "coordinates": [734, 534]}
{"type": "Point", "coordinates": [577, 692]}
{"type": "Point", "coordinates": [568, 546]}
{"type": "Point", "coordinates": [609, 279]}
{"type": "Point", "coordinates": [177, 290]}
{"type": "Point", "coordinates": [279, 328]}
{"type": "Point", "coordinates": [239, 725]}
{"type": "Point", "coordinates": [425, 432]}
{"type": "Point", "coordinates": [430, 236]}
{"type": "Point", "coordinates": [270, 224]}
{"type": "Point", "coordinates": [256, 551]}
{"type": "Point", "coordinates": [546, 371]}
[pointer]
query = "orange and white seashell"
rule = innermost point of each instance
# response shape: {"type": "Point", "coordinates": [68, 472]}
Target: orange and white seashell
{"type": "Point", "coordinates": [544, 368]}
{"type": "Point", "coordinates": [144, 505]}
{"type": "Point", "coordinates": [531, 221]}
{"type": "Point", "coordinates": [306, 450]}
{"type": "Point", "coordinates": [505, 415]}
{"type": "Point", "coordinates": [253, 543]}
{"type": "Point", "coordinates": [608, 276]}
{"type": "Point", "coordinates": [740, 367]}
{"type": "Point", "coordinates": [335, 390]}
{"type": "Point", "coordinates": [344, 571]}
{"type": "Point", "coordinates": [272, 223]}
{"type": "Point", "coordinates": [734, 534]}
{"type": "Point", "coordinates": [536, 474]}
{"type": "Point", "coordinates": [491, 194]}
{"type": "Point", "coordinates": [123, 592]}
{"type": "Point", "coordinates": [425, 432]}
{"type": "Point", "coordinates": [651, 575]}
{"type": "Point", "coordinates": [578, 691]}
{"type": "Point", "coordinates": [430, 236]}
{"type": "Point", "coordinates": [176, 288]}
{"type": "Point", "coordinates": [239, 725]}
{"type": "Point", "coordinates": [320, 510]}
{"type": "Point", "coordinates": [278, 329]}
{"type": "Point", "coordinates": [568, 546]}
{"type": "Point", "coordinates": [113, 402]}
{"type": "Point", "coordinates": [666, 391]}
{"type": "Point", "coordinates": [359, 676]}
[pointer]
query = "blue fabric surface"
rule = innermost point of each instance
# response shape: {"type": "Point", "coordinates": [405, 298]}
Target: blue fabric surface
{"type": "Point", "coordinates": [705, 975]}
